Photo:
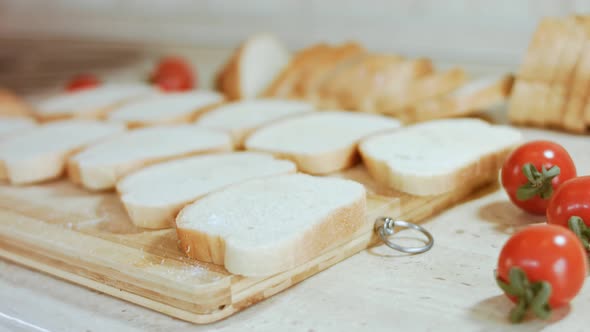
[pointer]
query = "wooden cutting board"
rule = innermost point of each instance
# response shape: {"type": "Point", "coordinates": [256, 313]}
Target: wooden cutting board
{"type": "Point", "coordinates": [87, 238]}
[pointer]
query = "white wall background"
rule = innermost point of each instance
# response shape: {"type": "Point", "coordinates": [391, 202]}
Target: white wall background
{"type": "Point", "coordinates": [484, 31]}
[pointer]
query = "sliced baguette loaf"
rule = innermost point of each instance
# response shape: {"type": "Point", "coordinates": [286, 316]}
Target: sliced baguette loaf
{"type": "Point", "coordinates": [243, 117]}
{"type": "Point", "coordinates": [91, 103]}
{"type": "Point", "coordinates": [100, 166]}
{"type": "Point", "coordinates": [469, 98]}
{"type": "Point", "coordinates": [324, 62]}
{"type": "Point", "coordinates": [348, 85]}
{"type": "Point", "coordinates": [283, 84]}
{"type": "Point", "coordinates": [40, 154]}
{"type": "Point", "coordinates": [319, 142]}
{"type": "Point", "coordinates": [393, 97]}
{"type": "Point", "coordinates": [170, 108]}
{"type": "Point", "coordinates": [15, 125]}
{"type": "Point", "coordinates": [438, 156]}
{"type": "Point", "coordinates": [253, 67]}
{"type": "Point", "coordinates": [266, 226]}
{"type": "Point", "coordinates": [183, 181]}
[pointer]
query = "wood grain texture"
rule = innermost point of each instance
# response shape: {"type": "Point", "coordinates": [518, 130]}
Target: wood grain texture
{"type": "Point", "coordinates": [87, 238]}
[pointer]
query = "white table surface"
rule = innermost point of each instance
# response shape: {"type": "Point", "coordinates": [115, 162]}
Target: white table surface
{"type": "Point", "coordinates": [450, 288]}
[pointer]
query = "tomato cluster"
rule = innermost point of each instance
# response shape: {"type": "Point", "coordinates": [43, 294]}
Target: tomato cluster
{"type": "Point", "coordinates": [544, 266]}
{"type": "Point", "coordinates": [171, 74]}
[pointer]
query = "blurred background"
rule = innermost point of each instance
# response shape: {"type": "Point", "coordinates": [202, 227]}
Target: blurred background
{"type": "Point", "coordinates": [42, 41]}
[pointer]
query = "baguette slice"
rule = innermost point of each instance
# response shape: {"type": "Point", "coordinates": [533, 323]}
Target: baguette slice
{"type": "Point", "coordinates": [253, 67]}
{"type": "Point", "coordinates": [439, 156]}
{"type": "Point", "coordinates": [183, 181]}
{"type": "Point", "coordinates": [91, 103]}
{"type": "Point", "coordinates": [469, 98]}
{"type": "Point", "coordinates": [241, 118]}
{"type": "Point", "coordinates": [319, 142]}
{"type": "Point", "coordinates": [12, 105]}
{"type": "Point", "coordinates": [14, 125]}
{"type": "Point", "coordinates": [171, 108]}
{"type": "Point", "coordinates": [266, 226]}
{"type": "Point", "coordinates": [100, 166]}
{"type": "Point", "coordinates": [40, 154]}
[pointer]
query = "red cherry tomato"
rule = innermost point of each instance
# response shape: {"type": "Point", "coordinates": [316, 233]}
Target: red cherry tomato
{"type": "Point", "coordinates": [545, 253]}
{"type": "Point", "coordinates": [173, 74]}
{"type": "Point", "coordinates": [82, 82]}
{"type": "Point", "coordinates": [571, 200]}
{"type": "Point", "coordinates": [540, 154]}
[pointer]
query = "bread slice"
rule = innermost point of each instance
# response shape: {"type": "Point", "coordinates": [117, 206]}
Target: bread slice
{"type": "Point", "coordinates": [532, 69]}
{"type": "Point", "coordinates": [101, 165]}
{"type": "Point", "coordinates": [538, 111]}
{"type": "Point", "coordinates": [91, 103]}
{"type": "Point", "coordinates": [12, 105]}
{"type": "Point", "coordinates": [40, 154]}
{"type": "Point", "coordinates": [266, 226]}
{"type": "Point", "coordinates": [183, 181]}
{"type": "Point", "coordinates": [569, 40]}
{"type": "Point", "coordinates": [469, 98]}
{"type": "Point", "coordinates": [319, 142]}
{"type": "Point", "coordinates": [395, 97]}
{"type": "Point", "coordinates": [10, 126]}
{"type": "Point", "coordinates": [241, 118]}
{"type": "Point", "coordinates": [170, 108]}
{"type": "Point", "coordinates": [282, 85]}
{"type": "Point", "coordinates": [573, 110]}
{"type": "Point", "coordinates": [253, 67]}
{"type": "Point", "coordinates": [438, 156]}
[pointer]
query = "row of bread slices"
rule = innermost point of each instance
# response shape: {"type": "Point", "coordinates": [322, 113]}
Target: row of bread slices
{"type": "Point", "coordinates": [227, 206]}
{"type": "Point", "coordinates": [347, 76]}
